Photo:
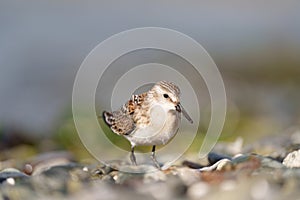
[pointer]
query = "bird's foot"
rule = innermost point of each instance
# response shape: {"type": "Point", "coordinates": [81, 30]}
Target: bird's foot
{"type": "Point", "coordinates": [156, 163]}
{"type": "Point", "coordinates": [132, 157]}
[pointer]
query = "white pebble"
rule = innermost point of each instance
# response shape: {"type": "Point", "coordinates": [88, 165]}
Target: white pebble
{"type": "Point", "coordinates": [85, 169]}
{"type": "Point", "coordinates": [11, 181]}
{"type": "Point", "coordinates": [292, 159]}
{"type": "Point", "coordinates": [217, 166]}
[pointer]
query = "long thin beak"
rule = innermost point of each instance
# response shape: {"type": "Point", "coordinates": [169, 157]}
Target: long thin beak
{"type": "Point", "coordinates": [180, 108]}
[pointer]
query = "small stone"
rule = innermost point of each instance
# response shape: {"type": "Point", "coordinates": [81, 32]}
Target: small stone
{"type": "Point", "coordinates": [240, 158]}
{"type": "Point", "coordinates": [217, 166]}
{"type": "Point", "coordinates": [28, 169]}
{"type": "Point", "coordinates": [247, 162]}
{"type": "Point", "coordinates": [44, 162]}
{"type": "Point", "coordinates": [101, 170]}
{"type": "Point", "coordinates": [292, 160]}
{"type": "Point", "coordinates": [11, 173]}
{"type": "Point", "coordinates": [192, 165]}
{"type": "Point", "coordinates": [214, 157]}
{"type": "Point", "coordinates": [85, 169]}
{"type": "Point", "coordinates": [11, 181]}
{"type": "Point", "coordinates": [268, 162]}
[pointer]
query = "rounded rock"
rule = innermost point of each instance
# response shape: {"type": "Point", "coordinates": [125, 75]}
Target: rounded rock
{"type": "Point", "coordinates": [292, 160]}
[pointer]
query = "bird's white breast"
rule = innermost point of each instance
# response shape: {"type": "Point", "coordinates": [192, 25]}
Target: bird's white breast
{"type": "Point", "coordinates": [163, 126]}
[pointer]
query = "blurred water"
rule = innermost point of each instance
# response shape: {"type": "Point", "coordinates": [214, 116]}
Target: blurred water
{"type": "Point", "coordinates": [42, 44]}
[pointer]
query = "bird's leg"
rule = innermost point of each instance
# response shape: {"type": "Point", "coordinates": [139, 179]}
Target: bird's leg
{"type": "Point", "coordinates": [153, 157]}
{"type": "Point", "coordinates": [132, 156]}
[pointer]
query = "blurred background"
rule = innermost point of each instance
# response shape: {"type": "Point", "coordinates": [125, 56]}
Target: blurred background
{"type": "Point", "coordinates": [255, 45]}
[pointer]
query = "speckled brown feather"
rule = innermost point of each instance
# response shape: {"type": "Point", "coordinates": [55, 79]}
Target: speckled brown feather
{"type": "Point", "coordinates": [119, 122]}
{"type": "Point", "coordinates": [124, 120]}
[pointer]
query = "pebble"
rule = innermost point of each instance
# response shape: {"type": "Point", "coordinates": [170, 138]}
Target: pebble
{"type": "Point", "coordinates": [292, 160]}
{"type": "Point", "coordinates": [269, 162]}
{"type": "Point", "coordinates": [215, 157]}
{"type": "Point", "coordinates": [191, 164]}
{"type": "Point", "coordinates": [85, 169]}
{"type": "Point", "coordinates": [11, 181]}
{"type": "Point", "coordinates": [248, 163]}
{"type": "Point", "coordinates": [11, 173]}
{"type": "Point", "coordinates": [28, 169]}
{"type": "Point", "coordinates": [45, 161]}
{"type": "Point", "coordinates": [238, 176]}
{"type": "Point", "coordinates": [217, 166]}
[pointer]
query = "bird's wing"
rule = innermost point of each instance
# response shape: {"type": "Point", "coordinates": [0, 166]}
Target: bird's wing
{"type": "Point", "coordinates": [122, 121]}
{"type": "Point", "coordinates": [134, 104]}
{"type": "Point", "coordinates": [119, 122]}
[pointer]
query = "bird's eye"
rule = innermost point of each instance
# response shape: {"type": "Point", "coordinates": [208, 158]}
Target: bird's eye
{"type": "Point", "coordinates": [166, 95]}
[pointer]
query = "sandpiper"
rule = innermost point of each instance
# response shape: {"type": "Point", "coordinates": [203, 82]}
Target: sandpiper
{"type": "Point", "coordinates": [149, 119]}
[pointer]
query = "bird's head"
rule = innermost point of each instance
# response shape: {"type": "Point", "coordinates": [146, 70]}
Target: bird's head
{"type": "Point", "coordinates": [168, 95]}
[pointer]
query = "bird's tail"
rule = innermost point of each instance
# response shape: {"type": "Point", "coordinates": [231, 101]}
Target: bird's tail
{"type": "Point", "coordinates": [108, 118]}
